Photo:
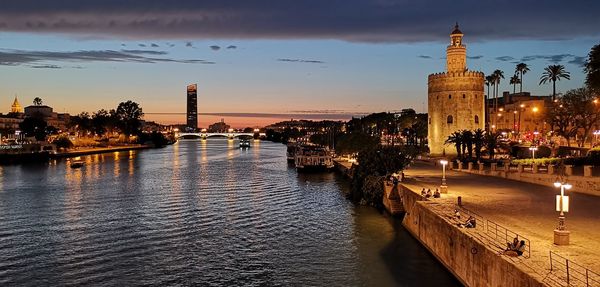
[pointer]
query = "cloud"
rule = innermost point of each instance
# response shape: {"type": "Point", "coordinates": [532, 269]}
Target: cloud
{"type": "Point", "coordinates": [215, 48]}
{"type": "Point", "coordinates": [475, 57]}
{"type": "Point", "coordinates": [349, 20]}
{"type": "Point", "coordinates": [38, 58]}
{"type": "Point", "coordinates": [154, 45]}
{"type": "Point", "coordinates": [46, 67]}
{"type": "Point", "coordinates": [230, 47]}
{"type": "Point", "coordinates": [306, 116]}
{"type": "Point", "coordinates": [424, 57]}
{"type": "Point", "coordinates": [171, 45]}
{"type": "Point", "coordinates": [189, 44]}
{"type": "Point", "coordinates": [142, 45]}
{"type": "Point", "coordinates": [505, 58]}
{"type": "Point", "coordinates": [300, 61]}
{"type": "Point", "coordinates": [579, 61]}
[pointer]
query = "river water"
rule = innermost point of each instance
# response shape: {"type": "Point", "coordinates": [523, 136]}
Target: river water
{"type": "Point", "coordinates": [198, 213]}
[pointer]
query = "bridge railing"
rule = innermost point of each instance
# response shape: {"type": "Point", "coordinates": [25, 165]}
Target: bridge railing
{"type": "Point", "coordinates": [503, 235]}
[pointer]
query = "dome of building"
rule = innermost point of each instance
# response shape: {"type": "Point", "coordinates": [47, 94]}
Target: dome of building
{"type": "Point", "coordinates": [16, 107]}
{"type": "Point", "coordinates": [456, 30]}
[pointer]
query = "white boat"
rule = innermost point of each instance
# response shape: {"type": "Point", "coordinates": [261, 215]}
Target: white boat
{"type": "Point", "coordinates": [313, 158]}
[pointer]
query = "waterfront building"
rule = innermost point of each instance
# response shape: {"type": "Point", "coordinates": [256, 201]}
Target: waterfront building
{"type": "Point", "coordinates": [192, 108]}
{"type": "Point", "coordinates": [455, 98]}
{"type": "Point", "coordinates": [521, 115]}
{"type": "Point", "coordinates": [16, 107]}
{"type": "Point", "coordinates": [57, 120]}
{"type": "Point", "coordinates": [220, 127]}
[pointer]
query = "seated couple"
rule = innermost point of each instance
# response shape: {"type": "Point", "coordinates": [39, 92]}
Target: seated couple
{"type": "Point", "coordinates": [514, 249]}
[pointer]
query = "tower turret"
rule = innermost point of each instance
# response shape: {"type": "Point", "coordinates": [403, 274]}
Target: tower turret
{"type": "Point", "coordinates": [456, 52]}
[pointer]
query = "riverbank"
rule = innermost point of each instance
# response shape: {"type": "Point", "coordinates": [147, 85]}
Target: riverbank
{"type": "Point", "coordinates": [504, 209]}
{"type": "Point", "coordinates": [89, 151]}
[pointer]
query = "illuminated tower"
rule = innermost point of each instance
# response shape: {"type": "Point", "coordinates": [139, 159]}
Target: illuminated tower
{"type": "Point", "coordinates": [192, 108]}
{"type": "Point", "coordinates": [16, 107]}
{"type": "Point", "coordinates": [455, 98]}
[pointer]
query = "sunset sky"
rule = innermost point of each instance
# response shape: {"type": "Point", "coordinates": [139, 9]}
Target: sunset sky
{"type": "Point", "coordinates": [257, 62]}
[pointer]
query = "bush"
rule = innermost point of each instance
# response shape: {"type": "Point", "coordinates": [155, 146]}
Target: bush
{"type": "Point", "coordinates": [63, 142]}
{"type": "Point", "coordinates": [543, 151]}
{"type": "Point", "coordinates": [538, 161]}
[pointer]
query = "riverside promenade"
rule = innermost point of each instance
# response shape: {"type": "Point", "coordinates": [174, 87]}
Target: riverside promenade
{"type": "Point", "coordinates": [526, 209]}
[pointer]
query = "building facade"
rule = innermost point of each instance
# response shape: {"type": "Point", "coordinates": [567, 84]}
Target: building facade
{"type": "Point", "coordinates": [192, 108]}
{"type": "Point", "coordinates": [521, 115]}
{"type": "Point", "coordinates": [455, 98]}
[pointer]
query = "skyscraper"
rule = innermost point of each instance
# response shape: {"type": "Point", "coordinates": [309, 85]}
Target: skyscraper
{"type": "Point", "coordinates": [192, 108]}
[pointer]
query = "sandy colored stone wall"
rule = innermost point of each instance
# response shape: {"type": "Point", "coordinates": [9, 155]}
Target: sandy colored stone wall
{"type": "Point", "coordinates": [469, 260]}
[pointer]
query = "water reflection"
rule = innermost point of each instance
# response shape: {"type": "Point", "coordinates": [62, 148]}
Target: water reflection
{"type": "Point", "coordinates": [198, 212]}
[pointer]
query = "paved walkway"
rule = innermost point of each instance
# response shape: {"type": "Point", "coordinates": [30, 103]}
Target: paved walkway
{"type": "Point", "coordinates": [527, 209]}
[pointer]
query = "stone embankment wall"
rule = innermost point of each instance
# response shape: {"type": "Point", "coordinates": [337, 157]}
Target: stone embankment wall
{"type": "Point", "coordinates": [392, 200]}
{"type": "Point", "coordinates": [468, 259]}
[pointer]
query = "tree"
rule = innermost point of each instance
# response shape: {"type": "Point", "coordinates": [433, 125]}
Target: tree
{"type": "Point", "coordinates": [129, 115]}
{"type": "Point", "coordinates": [37, 101]}
{"type": "Point", "coordinates": [82, 122]}
{"type": "Point", "coordinates": [455, 138]}
{"type": "Point", "coordinates": [562, 120]}
{"type": "Point", "coordinates": [489, 81]}
{"type": "Point", "coordinates": [355, 143]}
{"type": "Point", "coordinates": [491, 143]}
{"type": "Point", "coordinates": [102, 122]}
{"type": "Point", "coordinates": [514, 80]}
{"type": "Point", "coordinates": [521, 69]}
{"type": "Point", "coordinates": [592, 68]}
{"type": "Point", "coordinates": [34, 127]}
{"type": "Point", "coordinates": [63, 142]}
{"type": "Point", "coordinates": [478, 141]}
{"type": "Point", "coordinates": [498, 75]}
{"type": "Point", "coordinates": [373, 166]}
{"type": "Point", "coordinates": [467, 139]}
{"type": "Point", "coordinates": [552, 74]}
{"type": "Point", "coordinates": [585, 112]}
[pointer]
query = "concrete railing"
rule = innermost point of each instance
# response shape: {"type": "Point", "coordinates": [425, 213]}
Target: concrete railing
{"type": "Point", "coordinates": [582, 178]}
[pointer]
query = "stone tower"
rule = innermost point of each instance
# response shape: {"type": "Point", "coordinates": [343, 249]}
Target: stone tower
{"type": "Point", "coordinates": [455, 98]}
{"type": "Point", "coordinates": [16, 107]}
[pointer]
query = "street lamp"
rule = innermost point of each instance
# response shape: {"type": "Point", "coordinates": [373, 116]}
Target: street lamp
{"type": "Point", "coordinates": [561, 235]}
{"type": "Point", "coordinates": [444, 187]}
{"type": "Point", "coordinates": [596, 133]}
{"type": "Point", "coordinates": [533, 149]}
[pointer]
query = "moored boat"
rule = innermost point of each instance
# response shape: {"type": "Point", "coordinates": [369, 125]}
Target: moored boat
{"type": "Point", "coordinates": [313, 158]}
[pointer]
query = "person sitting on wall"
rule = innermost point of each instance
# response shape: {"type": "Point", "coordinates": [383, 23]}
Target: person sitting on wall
{"type": "Point", "coordinates": [436, 193]}
{"type": "Point", "coordinates": [423, 192]}
{"type": "Point", "coordinates": [471, 222]}
{"type": "Point", "coordinates": [457, 214]}
{"type": "Point", "coordinates": [513, 245]}
{"type": "Point", "coordinates": [518, 251]}
{"type": "Point", "coordinates": [428, 194]}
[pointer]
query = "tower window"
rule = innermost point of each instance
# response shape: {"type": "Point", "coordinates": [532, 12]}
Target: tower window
{"type": "Point", "coordinates": [476, 119]}
{"type": "Point", "coordinates": [449, 96]}
{"type": "Point", "coordinates": [449, 119]}
{"type": "Point", "coordinates": [429, 120]}
{"type": "Point", "coordinates": [464, 96]}
{"type": "Point", "coordinates": [476, 96]}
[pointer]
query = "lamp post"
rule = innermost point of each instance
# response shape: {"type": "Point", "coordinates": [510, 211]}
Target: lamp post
{"type": "Point", "coordinates": [533, 149]}
{"type": "Point", "coordinates": [561, 234]}
{"type": "Point", "coordinates": [596, 133]}
{"type": "Point", "coordinates": [444, 187]}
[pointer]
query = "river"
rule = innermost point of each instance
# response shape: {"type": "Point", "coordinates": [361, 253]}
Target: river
{"type": "Point", "coordinates": [198, 213]}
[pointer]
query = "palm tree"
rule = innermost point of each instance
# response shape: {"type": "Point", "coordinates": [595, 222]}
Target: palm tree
{"type": "Point", "coordinates": [491, 143]}
{"type": "Point", "coordinates": [554, 73]}
{"type": "Point", "coordinates": [456, 139]}
{"type": "Point", "coordinates": [514, 80]}
{"type": "Point", "coordinates": [37, 101]}
{"type": "Point", "coordinates": [489, 81]}
{"type": "Point", "coordinates": [521, 69]}
{"type": "Point", "coordinates": [478, 141]}
{"type": "Point", "coordinates": [498, 76]}
{"type": "Point", "coordinates": [467, 139]}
